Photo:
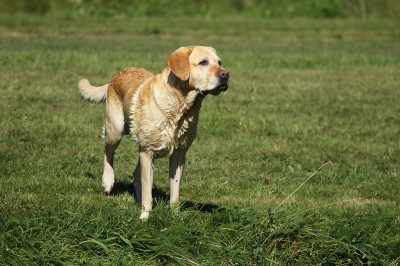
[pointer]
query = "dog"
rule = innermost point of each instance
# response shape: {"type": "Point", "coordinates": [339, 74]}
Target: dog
{"type": "Point", "coordinates": [160, 112]}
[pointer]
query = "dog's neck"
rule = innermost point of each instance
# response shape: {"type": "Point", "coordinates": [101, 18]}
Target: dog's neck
{"type": "Point", "coordinates": [177, 98]}
{"type": "Point", "coordinates": [185, 94]}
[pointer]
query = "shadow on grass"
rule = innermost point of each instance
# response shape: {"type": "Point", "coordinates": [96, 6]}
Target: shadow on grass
{"type": "Point", "coordinates": [161, 196]}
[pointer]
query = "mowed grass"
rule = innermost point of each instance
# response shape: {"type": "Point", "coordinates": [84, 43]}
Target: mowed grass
{"type": "Point", "coordinates": [297, 163]}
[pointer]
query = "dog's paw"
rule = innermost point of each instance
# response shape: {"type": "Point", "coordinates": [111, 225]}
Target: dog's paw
{"type": "Point", "coordinates": [107, 190]}
{"type": "Point", "coordinates": [107, 185]}
{"type": "Point", "coordinates": [144, 215]}
{"type": "Point", "coordinates": [108, 180]}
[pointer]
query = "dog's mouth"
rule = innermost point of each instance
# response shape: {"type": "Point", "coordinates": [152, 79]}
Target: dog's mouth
{"type": "Point", "coordinates": [223, 86]}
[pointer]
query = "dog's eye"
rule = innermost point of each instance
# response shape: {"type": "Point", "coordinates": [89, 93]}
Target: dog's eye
{"type": "Point", "coordinates": [219, 63]}
{"type": "Point", "coordinates": [203, 62]}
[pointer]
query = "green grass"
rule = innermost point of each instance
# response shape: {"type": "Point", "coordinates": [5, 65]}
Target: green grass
{"type": "Point", "coordinates": [208, 8]}
{"type": "Point", "coordinates": [303, 92]}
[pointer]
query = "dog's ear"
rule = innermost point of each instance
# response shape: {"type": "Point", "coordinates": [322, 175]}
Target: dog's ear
{"type": "Point", "coordinates": [178, 62]}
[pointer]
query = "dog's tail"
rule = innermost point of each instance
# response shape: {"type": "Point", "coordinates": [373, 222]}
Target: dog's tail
{"type": "Point", "coordinates": [92, 93]}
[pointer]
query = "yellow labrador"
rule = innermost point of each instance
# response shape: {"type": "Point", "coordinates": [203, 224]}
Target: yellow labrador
{"type": "Point", "coordinates": [160, 112]}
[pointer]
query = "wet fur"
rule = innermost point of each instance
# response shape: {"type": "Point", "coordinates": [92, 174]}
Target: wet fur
{"type": "Point", "coordinates": [160, 112]}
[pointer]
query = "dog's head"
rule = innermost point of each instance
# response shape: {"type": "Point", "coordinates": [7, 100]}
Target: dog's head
{"type": "Point", "coordinates": [201, 67]}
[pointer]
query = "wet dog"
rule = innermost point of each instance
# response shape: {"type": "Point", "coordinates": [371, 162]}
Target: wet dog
{"type": "Point", "coordinates": [160, 112]}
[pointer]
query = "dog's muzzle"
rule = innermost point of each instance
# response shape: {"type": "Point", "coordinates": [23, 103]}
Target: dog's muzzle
{"type": "Point", "coordinates": [223, 82]}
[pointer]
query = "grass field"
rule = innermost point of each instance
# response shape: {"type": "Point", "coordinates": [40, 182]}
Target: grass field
{"type": "Point", "coordinates": [297, 163]}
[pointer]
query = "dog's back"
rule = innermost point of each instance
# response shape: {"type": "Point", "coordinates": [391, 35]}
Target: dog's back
{"type": "Point", "coordinates": [125, 83]}
{"type": "Point", "coordinates": [121, 87]}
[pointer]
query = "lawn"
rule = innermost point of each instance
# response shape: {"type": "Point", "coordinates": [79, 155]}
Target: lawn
{"type": "Point", "coordinates": [297, 163]}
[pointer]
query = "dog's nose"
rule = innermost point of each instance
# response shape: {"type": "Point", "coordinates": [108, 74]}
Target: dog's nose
{"type": "Point", "coordinates": [223, 74]}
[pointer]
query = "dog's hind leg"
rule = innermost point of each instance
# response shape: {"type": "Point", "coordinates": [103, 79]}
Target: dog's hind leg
{"type": "Point", "coordinates": [176, 165]}
{"type": "Point", "coordinates": [138, 183]}
{"type": "Point", "coordinates": [113, 132]}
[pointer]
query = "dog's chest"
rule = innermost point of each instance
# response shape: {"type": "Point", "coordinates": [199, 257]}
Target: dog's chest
{"type": "Point", "coordinates": [185, 129]}
{"type": "Point", "coordinates": [179, 134]}
{"type": "Point", "coordinates": [165, 128]}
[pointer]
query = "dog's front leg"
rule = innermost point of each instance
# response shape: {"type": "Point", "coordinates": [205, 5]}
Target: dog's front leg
{"type": "Point", "coordinates": [146, 176]}
{"type": "Point", "coordinates": [176, 166]}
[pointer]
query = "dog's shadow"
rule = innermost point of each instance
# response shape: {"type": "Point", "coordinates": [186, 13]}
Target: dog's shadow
{"type": "Point", "coordinates": [161, 196]}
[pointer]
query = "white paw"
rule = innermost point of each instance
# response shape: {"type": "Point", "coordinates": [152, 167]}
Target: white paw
{"type": "Point", "coordinates": [144, 215]}
{"type": "Point", "coordinates": [107, 184]}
